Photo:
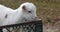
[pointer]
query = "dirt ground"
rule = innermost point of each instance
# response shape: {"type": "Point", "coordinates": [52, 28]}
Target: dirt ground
{"type": "Point", "coordinates": [47, 10]}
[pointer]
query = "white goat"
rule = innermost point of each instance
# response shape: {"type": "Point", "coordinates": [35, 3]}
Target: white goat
{"type": "Point", "coordinates": [26, 12]}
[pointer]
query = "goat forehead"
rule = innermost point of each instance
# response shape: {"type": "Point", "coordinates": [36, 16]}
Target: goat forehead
{"type": "Point", "coordinates": [30, 8]}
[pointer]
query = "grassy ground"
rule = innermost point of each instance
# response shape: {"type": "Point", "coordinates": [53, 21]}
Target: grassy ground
{"type": "Point", "coordinates": [47, 10]}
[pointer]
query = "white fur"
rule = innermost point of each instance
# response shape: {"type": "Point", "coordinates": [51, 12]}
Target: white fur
{"type": "Point", "coordinates": [3, 11]}
{"type": "Point", "coordinates": [17, 16]}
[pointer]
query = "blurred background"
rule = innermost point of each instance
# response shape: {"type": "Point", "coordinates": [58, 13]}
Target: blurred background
{"type": "Point", "coordinates": [47, 10]}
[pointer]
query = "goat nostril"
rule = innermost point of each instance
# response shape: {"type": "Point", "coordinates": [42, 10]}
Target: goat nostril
{"type": "Point", "coordinates": [25, 20]}
{"type": "Point", "coordinates": [36, 17]}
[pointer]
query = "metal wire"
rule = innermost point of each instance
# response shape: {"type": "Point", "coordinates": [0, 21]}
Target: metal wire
{"type": "Point", "coordinates": [33, 26]}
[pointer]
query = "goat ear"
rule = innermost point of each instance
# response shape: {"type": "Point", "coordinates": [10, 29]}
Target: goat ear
{"type": "Point", "coordinates": [24, 8]}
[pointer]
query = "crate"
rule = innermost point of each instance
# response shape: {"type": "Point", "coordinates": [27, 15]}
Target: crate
{"type": "Point", "coordinates": [32, 26]}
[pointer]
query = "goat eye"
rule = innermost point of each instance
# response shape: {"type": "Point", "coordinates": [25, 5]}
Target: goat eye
{"type": "Point", "coordinates": [29, 11]}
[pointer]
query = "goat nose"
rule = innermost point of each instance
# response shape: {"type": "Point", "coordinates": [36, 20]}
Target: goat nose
{"type": "Point", "coordinates": [35, 18]}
